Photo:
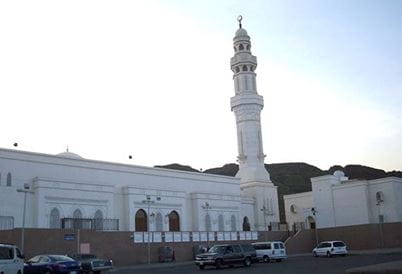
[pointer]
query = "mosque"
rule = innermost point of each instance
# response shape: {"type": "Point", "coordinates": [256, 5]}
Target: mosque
{"type": "Point", "coordinates": [68, 191]}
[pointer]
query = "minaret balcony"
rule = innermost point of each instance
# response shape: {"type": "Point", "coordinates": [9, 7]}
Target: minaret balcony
{"type": "Point", "coordinates": [243, 58]}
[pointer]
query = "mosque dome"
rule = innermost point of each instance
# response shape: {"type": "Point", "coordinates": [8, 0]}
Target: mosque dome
{"type": "Point", "coordinates": [241, 34]}
{"type": "Point", "coordinates": [69, 155]}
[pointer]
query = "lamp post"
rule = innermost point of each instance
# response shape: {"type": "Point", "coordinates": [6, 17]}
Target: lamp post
{"type": "Point", "coordinates": [148, 201]}
{"type": "Point", "coordinates": [207, 207]}
{"type": "Point", "coordinates": [24, 190]}
{"type": "Point", "coordinates": [265, 211]}
{"type": "Point", "coordinates": [315, 229]}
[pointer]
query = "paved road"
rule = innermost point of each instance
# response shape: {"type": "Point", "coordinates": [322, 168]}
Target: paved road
{"type": "Point", "coordinates": [302, 265]}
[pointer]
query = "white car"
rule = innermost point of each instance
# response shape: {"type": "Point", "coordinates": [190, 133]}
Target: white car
{"type": "Point", "coordinates": [11, 259]}
{"type": "Point", "coordinates": [268, 251]}
{"type": "Point", "coordinates": [330, 248]}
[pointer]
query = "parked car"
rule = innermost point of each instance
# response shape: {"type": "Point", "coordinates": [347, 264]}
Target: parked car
{"type": "Point", "coordinates": [268, 251]}
{"type": "Point", "coordinates": [330, 248]}
{"type": "Point", "coordinates": [227, 255]}
{"type": "Point", "coordinates": [52, 264]}
{"type": "Point", "coordinates": [11, 259]}
{"type": "Point", "coordinates": [90, 263]}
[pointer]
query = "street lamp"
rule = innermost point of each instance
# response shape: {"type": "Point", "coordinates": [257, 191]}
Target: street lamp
{"type": "Point", "coordinates": [265, 212]}
{"type": "Point", "coordinates": [315, 220]}
{"type": "Point", "coordinates": [148, 201]}
{"type": "Point", "coordinates": [24, 190]}
{"type": "Point", "coordinates": [207, 207]}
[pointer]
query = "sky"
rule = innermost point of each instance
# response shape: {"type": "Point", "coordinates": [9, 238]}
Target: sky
{"type": "Point", "coordinates": [152, 79]}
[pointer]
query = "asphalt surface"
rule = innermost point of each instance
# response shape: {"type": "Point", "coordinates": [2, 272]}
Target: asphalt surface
{"type": "Point", "coordinates": [300, 264]}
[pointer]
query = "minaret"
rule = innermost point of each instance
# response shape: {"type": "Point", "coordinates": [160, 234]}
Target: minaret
{"type": "Point", "coordinates": [247, 105]}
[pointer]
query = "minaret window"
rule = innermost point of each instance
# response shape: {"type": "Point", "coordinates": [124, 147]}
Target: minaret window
{"type": "Point", "coordinates": [241, 47]}
{"type": "Point", "coordinates": [237, 70]}
{"type": "Point", "coordinates": [251, 68]}
{"type": "Point", "coordinates": [235, 49]}
{"type": "Point", "coordinates": [244, 68]}
{"type": "Point", "coordinates": [248, 47]}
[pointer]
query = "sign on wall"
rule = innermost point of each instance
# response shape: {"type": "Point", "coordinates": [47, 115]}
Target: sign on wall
{"type": "Point", "coordinates": [69, 237]}
{"type": "Point", "coordinates": [204, 236]}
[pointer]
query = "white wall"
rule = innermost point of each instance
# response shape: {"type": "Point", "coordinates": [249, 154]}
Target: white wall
{"type": "Point", "coordinates": [303, 203]}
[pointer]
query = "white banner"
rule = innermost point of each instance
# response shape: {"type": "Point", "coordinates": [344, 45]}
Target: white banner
{"type": "Point", "coordinates": [157, 237]}
{"type": "Point", "coordinates": [138, 237]}
{"type": "Point", "coordinates": [219, 235]}
{"type": "Point", "coordinates": [177, 236]}
{"type": "Point", "coordinates": [211, 236]}
{"type": "Point", "coordinates": [196, 236]}
{"type": "Point", "coordinates": [242, 235]}
{"type": "Point", "coordinates": [204, 236]}
{"type": "Point", "coordinates": [255, 235]}
{"type": "Point", "coordinates": [233, 236]}
{"type": "Point", "coordinates": [227, 236]}
{"type": "Point", "coordinates": [168, 237]}
{"type": "Point", "coordinates": [185, 236]}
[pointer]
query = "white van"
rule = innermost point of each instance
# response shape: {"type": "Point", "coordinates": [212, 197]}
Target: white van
{"type": "Point", "coordinates": [11, 259]}
{"type": "Point", "coordinates": [268, 251]}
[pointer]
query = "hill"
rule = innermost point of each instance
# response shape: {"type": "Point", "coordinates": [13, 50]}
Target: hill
{"type": "Point", "coordinates": [295, 177]}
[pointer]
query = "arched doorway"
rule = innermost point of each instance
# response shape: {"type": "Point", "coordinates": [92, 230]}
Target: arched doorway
{"type": "Point", "coordinates": [141, 221]}
{"type": "Point", "coordinates": [233, 223]}
{"type": "Point", "coordinates": [98, 220]}
{"type": "Point", "coordinates": [174, 221]}
{"type": "Point", "coordinates": [246, 224]}
{"type": "Point", "coordinates": [311, 222]}
{"type": "Point", "coordinates": [221, 223]}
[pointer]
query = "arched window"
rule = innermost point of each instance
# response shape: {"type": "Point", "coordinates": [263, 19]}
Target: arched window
{"type": "Point", "coordinates": [208, 226]}
{"type": "Point", "coordinates": [244, 68]}
{"type": "Point", "coordinates": [141, 221]}
{"type": "Point", "coordinates": [98, 220]}
{"type": "Point", "coordinates": [77, 216]}
{"type": "Point", "coordinates": [221, 223]}
{"type": "Point", "coordinates": [241, 47]}
{"type": "Point", "coordinates": [233, 223]}
{"type": "Point", "coordinates": [379, 196]}
{"type": "Point", "coordinates": [159, 222]}
{"type": "Point", "coordinates": [54, 219]}
{"type": "Point", "coordinates": [235, 49]}
{"type": "Point", "coordinates": [9, 180]}
{"type": "Point", "coordinates": [293, 209]}
{"type": "Point", "coordinates": [248, 47]}
{"type": "Point", "coordinates": [237, 69]}
{"type": "Point", "coordinates": [246, 224]}
{"type": "Point", "coordinates": [174, 221]}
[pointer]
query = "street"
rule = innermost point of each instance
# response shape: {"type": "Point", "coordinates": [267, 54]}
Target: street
{"type": "Point", "coordinates": [302, 265]}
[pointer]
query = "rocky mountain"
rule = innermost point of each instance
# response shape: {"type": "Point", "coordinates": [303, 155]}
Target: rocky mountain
{"type": "Point", "coordinates": [295, 177]}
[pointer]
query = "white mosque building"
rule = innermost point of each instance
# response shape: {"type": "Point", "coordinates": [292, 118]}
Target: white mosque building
{"type": "Point", "coordinates": [68, 191]}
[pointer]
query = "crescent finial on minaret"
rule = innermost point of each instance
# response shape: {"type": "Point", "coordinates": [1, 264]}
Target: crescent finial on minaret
{"type": "Point", "coordinates": [239, 18]}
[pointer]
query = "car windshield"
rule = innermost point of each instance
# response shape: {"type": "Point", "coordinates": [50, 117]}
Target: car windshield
{"type": "Point", "coordinates": [324, 244]}
{"type": "Point", "coordinates": [217, 249]}
{"type": "Point", "coordinates": [60, 258]}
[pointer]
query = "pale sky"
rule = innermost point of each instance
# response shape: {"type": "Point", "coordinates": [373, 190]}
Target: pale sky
{"type": "Point", "coordinates": [152, 79]}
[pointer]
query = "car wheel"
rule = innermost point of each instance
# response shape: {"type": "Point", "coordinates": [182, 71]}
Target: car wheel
{"type": "Point", "coordinates": [247, 262]}
{"type": "Point", "coordinates": [329, 254]}
{"type": "Point", "coordinates": [315, 254]}
{"type": "Point", "coordinates": [266, 259]}
{"type": "Point", "coordinates": [218, 264]}
{"type": "Point", "coordinates": [201, 267]}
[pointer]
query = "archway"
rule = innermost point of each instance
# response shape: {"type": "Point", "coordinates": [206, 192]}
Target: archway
{"type": "Point", "coordinates": [246, 224]}
{"type": "Point", "coordinates": [174, 221]}
{"type": "Point", "coordinates": [311, 222]}
{"type": "Point", "coordinates": [141, 221]}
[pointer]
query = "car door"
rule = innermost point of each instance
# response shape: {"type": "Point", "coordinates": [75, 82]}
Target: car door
{"type": "Point", "coordinates": [33, 266]}
{"type": "Point", "coordinates": [6, 259]}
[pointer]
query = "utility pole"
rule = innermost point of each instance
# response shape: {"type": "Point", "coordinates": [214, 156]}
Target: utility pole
{"type": "Point", "coordinates": [207, 207]}
{"type": "Point", "coordinates": [25, 190]}
{"type": "Point", "coordinates": [148, 202]}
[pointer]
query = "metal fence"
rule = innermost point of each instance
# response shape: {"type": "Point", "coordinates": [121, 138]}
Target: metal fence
{"type": "Point", "coordinates": [92, 224]}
